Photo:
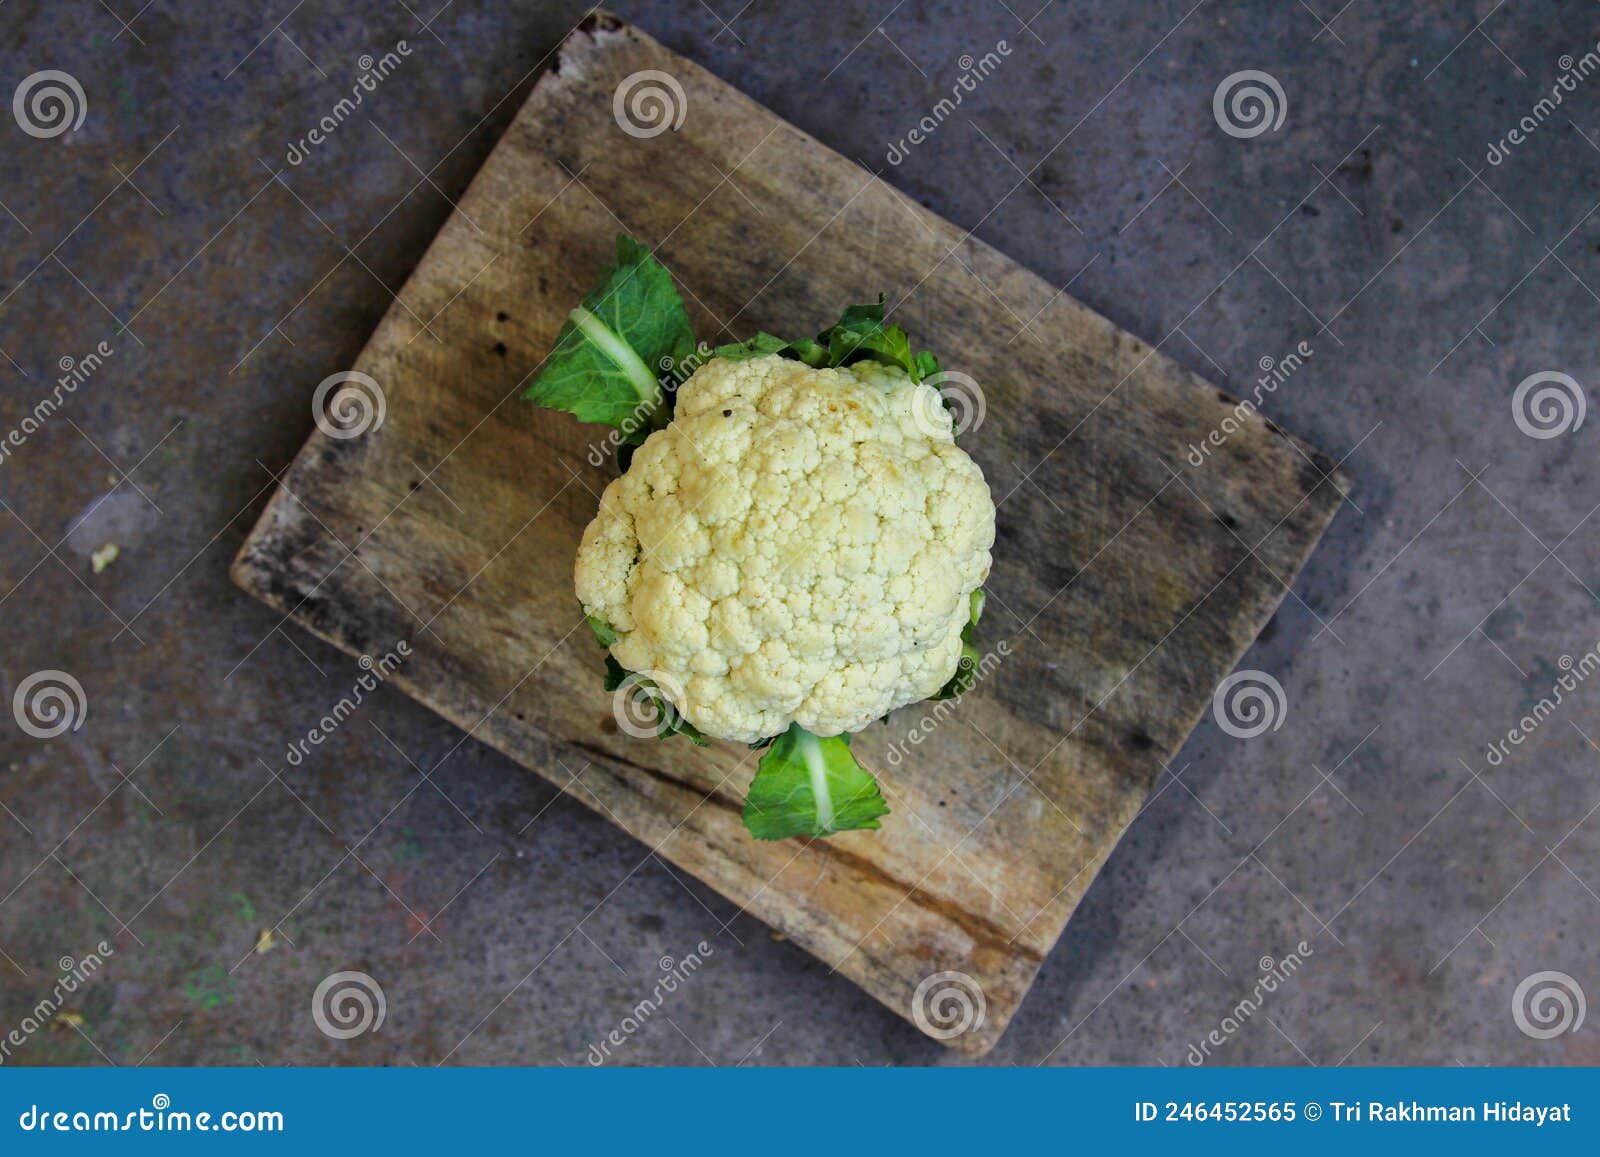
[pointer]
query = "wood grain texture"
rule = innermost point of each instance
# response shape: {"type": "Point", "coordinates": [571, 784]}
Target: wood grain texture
{"type": "Point", "coordinates": [1126, 582]}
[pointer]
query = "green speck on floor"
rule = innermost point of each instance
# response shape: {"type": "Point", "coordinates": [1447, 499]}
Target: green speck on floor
{"type": "Point", "coordinates": [209, 987]}
{"type": "Point", "coordinates": [410, 849]}
{"type": "Point", "coordinates": [1542, 676]}
{"type": "Point", "coordinates": [1502, 625]}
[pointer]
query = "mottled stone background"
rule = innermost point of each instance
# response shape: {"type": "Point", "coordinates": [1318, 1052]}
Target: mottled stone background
{"type": "Point", "coordinates": [1429, 282]}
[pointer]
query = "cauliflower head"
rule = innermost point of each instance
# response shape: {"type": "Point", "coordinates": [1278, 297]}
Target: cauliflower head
{"type": "Point", "coordinates": [798, 545]}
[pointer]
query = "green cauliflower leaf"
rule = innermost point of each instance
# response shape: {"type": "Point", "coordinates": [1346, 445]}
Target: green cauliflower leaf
{"type": "Point", "coordinates": [967, 669]}
{"type": "Point", "coordinates": [809, 786]}
{"type": "Point", "coordinates": [859, 335]}
{"type": "Point", "coordinates": [613, 348]}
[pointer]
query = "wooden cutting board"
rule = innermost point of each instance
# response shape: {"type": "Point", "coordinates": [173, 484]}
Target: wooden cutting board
{"type": "Point", "coordinates": [1126, 582]}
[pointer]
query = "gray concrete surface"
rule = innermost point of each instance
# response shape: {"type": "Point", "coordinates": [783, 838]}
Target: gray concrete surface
{"type": "Point", "coordinates": [1425, 882]}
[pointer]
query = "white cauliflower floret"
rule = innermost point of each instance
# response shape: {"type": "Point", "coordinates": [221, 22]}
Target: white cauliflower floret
{"type": "Point", "coordinates": [798, 545]}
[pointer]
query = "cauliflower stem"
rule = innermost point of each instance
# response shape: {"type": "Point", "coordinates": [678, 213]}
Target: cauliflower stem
{"type": "Point", "coordinates": [795, 546]}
